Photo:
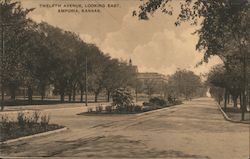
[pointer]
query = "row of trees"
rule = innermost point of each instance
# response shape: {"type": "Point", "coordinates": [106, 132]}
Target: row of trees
{"type": "Point", "coordinates": [37, 55]}
{"type": "Point", "coordinates": [228, 85]}
{"type": "Point", "coordinates": [182, 84]}
{"type": "Point", "coordinates": [224, 31]}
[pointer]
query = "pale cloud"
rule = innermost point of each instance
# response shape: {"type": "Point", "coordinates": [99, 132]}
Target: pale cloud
{"type": "Point", "coordinates": [166, 51]}
{"type": "Point", "coordinates": [156, 45]}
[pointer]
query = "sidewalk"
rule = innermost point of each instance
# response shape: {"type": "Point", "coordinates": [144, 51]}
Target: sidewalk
{"type": "Point", "coordinates": [55, 106]}
{"type": "Point", "coordinates": [12, 109]}
{"type": "Point", "coordinates": [234, 114]}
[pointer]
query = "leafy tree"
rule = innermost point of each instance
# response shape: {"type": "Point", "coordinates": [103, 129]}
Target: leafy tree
{"type": "Point", "coordinates": [184, 83]}
{"type": "Point", "coordinates": [81, 67]}
{"type": "Point", "coordinates": [112, 77]}
{"type": "Point", "coordinates": [150, 87]}
{"type": "Point", "coordinates": [38, 55]}
{"type": "Point", "coordinates": [230, 81]}
{"type": "Point", "coordinates": [64, 46]}
{"type": "Point", "coordinates": [217, 93]}
{"type": "Point", "coordinates": [223, 23]}
{"type": "Point", "coordinates": [13, 22]}
{"type": "Point", "coordinates": [118, 74]}
{"type": "Point", "coordinates": [97, 63]}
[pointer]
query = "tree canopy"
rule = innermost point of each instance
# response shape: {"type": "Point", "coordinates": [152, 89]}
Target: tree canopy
{"type": "Point", "coordinates": [38, 56]}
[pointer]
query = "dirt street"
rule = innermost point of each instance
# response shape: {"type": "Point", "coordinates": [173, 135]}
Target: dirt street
{"type": "Point", "coordinates": [195, 130]}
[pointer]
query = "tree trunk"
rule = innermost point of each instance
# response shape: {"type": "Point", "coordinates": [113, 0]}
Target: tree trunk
{"type": "Point", "coordinates": [74, 94]}
{"type": "Point", "coordinates": [96, 97]}
{"type": "Point", "coordinates": [136, 94]}
{"type": "Point", "coordinates": [2, 98]}
{"type": "Point", "coordinates": [42, 97]}
{"type": "Point", "coordinates": [243, 106]}
{"type": "Point", "coordinates": [42, 94]}
{"type": "Point", "coordinates": [62, 96]}
{"type": "Point", "coordinates": [81, 95]}
{"type": "Point", "coordinates": [225, 99]}
{"type": "Point", "coordinates": [235, 98]}
{"type": "Point", "coordinates": [108, 95]}
{"type": "Point", "coordinates": [70, 95]}
{"type": "Point", "coordinates": [241, 101]}
{"type": "Point", "coordinates": [13, 95]}
{"type": "Point", "coordinates": [30, 94]}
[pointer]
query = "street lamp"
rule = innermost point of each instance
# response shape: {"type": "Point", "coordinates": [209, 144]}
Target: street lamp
{"type": "Point", "coordinates": [86, 81]}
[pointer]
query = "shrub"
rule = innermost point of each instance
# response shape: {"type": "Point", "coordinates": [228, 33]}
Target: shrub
{"type": "Point", "coordinates": [147, 104]}
{"type": "Point", "coordinates": [99, 108]}
{"type": "Point", "coordinates": [137, 108]}
{"type": "Point", "coordinates": [45, 120]}
{"type": "Point", "coordinates": [90, 110]}
{"type": "Point", "coordinates": [35, 116]}
{"type": "Point", "coordinates": [4, 119]}
{"type": "Point", "coordinates": [5, 124]}
{"type": "Point", "coordinates": [108, 109]}
{"type": "Point", "coordinates": [122, 99]}
{"type": "Point", "coordinates": [22, 119]}
{"type": "Point", "coordinates": [170, 99]}
{"type": "Point", "coordinates": [176, 102]}
{"type": "Point", "coordinates": [157, 101]}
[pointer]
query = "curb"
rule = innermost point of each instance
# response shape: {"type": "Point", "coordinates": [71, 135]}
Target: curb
{"type": "Point", "coordinates": [35, 135]}
{"type": "Point", "coordinates": [157, 110]}
{"type": "Point", "coordinates": [229, 119]}
{"type": "Point", "coordinates": [15, 111]}
{"type": "Point", "coordinates": [30, 110]}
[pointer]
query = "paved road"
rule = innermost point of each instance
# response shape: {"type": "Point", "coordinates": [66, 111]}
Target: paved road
{"type": "Point", "coordinates": [194, 130]}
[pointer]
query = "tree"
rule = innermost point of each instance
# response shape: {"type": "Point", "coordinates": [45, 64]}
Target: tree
{"type": "Point", "coordinates": [13, 22]}
{"type": "Point", "coordinates": [81, 61]}
{"type": "Point", "coordinates": [65, 47]}
{"type": "Point", "coordinates": [223, 23]}
{"type": "Point", "coordinates": [36, 61]}
{"type": "Point", "coordinates": [97, 63]}
{"type": "Point", "coordinates": [150, 87]}
{"type": "Point", "coordinates": [184, 83]}
{"type": "Point", "coordinates": [231, 81]}
{"type": "Point", "coordinates": [112, 77]}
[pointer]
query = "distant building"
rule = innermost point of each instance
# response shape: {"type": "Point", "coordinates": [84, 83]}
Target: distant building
{"type": "Point", "coordinates": [152, 76]}
{"type": "Point", "coordinates": [134, 67]}
{"type": "Point", "coordinates": [152, 82]}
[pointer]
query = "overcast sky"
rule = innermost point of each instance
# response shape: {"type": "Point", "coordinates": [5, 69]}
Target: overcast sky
{"type": "Point", "coordinates": [154, 46]}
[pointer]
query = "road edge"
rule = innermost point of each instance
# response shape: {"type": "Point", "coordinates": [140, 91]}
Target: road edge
{"type": "Point", "coordinates": [157, 110]}
{"type": "Point", "coordinates": [229, 119]}
{"type": "Point", "coordinates": [35, 135]}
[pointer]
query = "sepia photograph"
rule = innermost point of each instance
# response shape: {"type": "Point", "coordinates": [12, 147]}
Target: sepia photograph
{"type": "Point", "coordinates": [111, 79]}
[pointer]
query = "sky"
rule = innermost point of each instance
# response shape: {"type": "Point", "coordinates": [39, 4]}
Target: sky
{"type": "Point", "coordinates": [155, 45]}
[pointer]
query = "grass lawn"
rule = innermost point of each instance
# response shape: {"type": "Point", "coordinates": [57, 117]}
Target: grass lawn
{"type": "Point", "coordinates": [13, 130]}
{"type": "Point", "coordinates": [25, 124]}
{"type": "Point", "coordinates": [235, 114]}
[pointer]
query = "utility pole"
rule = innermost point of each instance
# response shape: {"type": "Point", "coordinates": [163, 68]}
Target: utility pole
{"type": "Point", "coordinates": [2, 69]}
{"type": "Point", "coordinates": [244, 87]}
{"type": "Point", "coordinates": [86, 81]}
